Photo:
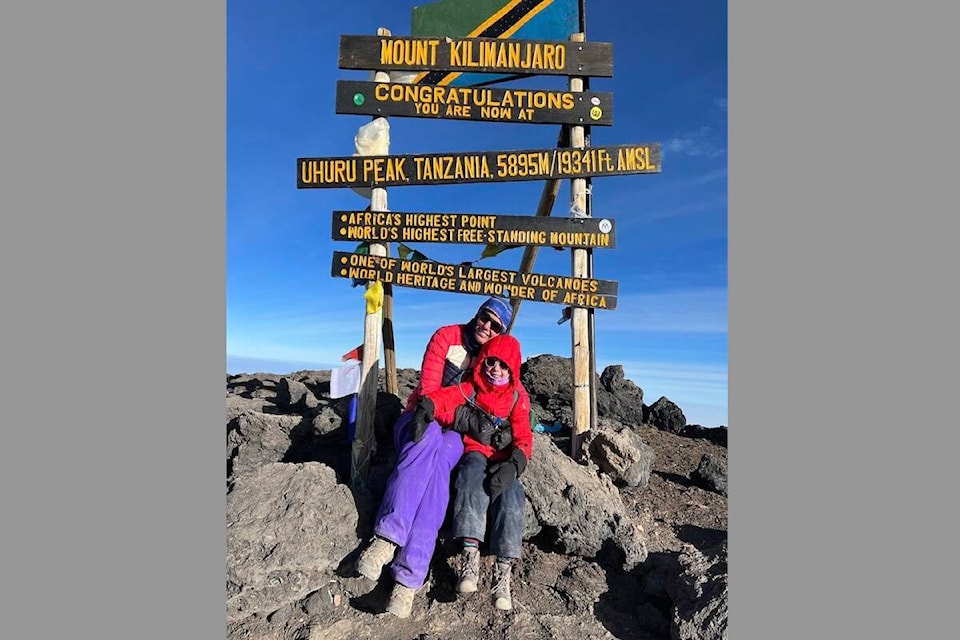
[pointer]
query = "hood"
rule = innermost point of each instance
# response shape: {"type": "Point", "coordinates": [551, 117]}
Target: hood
{"type": "Point", "coordinates": [505, 347]}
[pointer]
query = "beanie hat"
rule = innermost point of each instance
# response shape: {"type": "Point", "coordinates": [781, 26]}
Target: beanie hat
{"type": "Point", "coordinates": [500, 307]}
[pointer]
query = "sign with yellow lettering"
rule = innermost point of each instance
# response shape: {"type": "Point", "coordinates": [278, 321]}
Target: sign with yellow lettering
{"type": "Point", "coordinates": [531, 106]}
{"type": "Point", "coordinates": [464, 278]}
{"type": "Point", "coordinates": [477, 55]}
{"type": "Point", "coordinates": [473, 228]}
{"type": "Point", "coordinates": [478, 166]}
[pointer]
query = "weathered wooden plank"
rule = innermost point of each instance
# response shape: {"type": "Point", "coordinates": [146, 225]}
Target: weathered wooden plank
{"type": "Point", "coordinates": [526, 106]}
{"type": "Point", "coordinates": [364, 440]}
{"type": "Point", "coordinates": [477, 166]}
{"type": "Point", "coordinates": [477, 55]}
{"type": "Point", "coordinates": [581, 345]}
{"type": "Point", "coordinates": [463, 278]}
{"type": "Point", "coordinates": [473, 228]}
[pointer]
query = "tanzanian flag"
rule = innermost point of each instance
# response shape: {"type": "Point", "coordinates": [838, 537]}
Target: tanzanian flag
{"type": "Point", "coordinates": [519, 19]}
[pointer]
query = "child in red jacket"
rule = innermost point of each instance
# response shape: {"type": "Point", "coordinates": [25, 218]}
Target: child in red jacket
{"type": "Point", "coordinates": [492, 410]}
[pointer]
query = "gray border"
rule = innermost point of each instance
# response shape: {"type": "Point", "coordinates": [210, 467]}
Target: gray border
{"type": "Point", "coordinates": [114, 333]}
{"type": "Point", "coordinates": [835, 365]}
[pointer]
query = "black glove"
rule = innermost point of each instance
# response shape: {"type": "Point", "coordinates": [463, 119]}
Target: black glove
{"type": "Point", "coordinates": [502, 437]}
{"type": "Point", "coordinates": [519, 458]}
{"type": "Point", "coordinates": [500, 475]}
{"type": "Point", "coordinates": [422, 416]}
{"type": "Point", "coordinates": [473, 422]}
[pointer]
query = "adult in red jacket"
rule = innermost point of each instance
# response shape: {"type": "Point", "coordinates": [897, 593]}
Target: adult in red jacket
{"type": "Point", "coordinates": [498, 443]}
{"type": "Point", "coordinates": [418, 491]}
{"type": "Point", "coordinates": [453, 349]}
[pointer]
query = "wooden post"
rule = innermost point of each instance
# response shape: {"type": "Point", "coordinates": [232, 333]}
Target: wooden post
{"type": "Point", "coordinates": [363, 439]}
{"type": "Point", "coordinates": [389, 348]}
{"type": "Point", "coordinates": [591, 312]}
{"type": "Point", "coordinates": [547, 197]}
{"type": "Point", "coordinates": [579, 334]}
{"type": "Point", "coordinates": [592, 333]}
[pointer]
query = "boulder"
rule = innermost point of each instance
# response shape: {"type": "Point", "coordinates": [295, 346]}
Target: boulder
{"type": "Point", "coordinates": [288, 528]}
{"type": "Point", "coordinates": [700, 596]}
{"type": "Point", "coordinates": [620, 452]}
{"type": "Point", "coordinates": [293, 395]}
{"type": "Point", "coordinates": [577, 510]}
{"type": "Point", "coordinates": [256, 439]}
{"type": "Point", "coordinates": [618, 398]}
{"type": "Point", "coordinates": [710, 474]}
{"type": "Point", "coordinates": [666, 416]}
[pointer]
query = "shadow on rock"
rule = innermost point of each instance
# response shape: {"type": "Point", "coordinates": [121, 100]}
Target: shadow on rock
{"type": "Point", "coordinates": [701, 537]}
{"type": "Point", "coordinates": [375, 600]}
{"type": "Point", "coordinates": [683, 481]}
{"type": "Point", "coordinates": [627, 611]}
{"type": "Point", "coordinates": [443, 576]}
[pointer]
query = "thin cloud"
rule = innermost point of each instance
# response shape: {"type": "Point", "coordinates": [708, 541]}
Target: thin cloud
{"type": "Point", "coordinates": [684, 311]}
{"type": "Point", "coordinates": [699, 143]}
{"type": "Point", "coordinates": [706, 376]}
{"type": "Point", "coordinates": [665, 185]}
{"type": "Point", "coordinates": [700, 310]}
{"type": "Point", "coordinates": [711, 205]}
{"type": "Point", "coordinates": [703, 178]}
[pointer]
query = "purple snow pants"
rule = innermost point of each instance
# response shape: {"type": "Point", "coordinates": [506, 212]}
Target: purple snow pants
{"type": "Point", "coordinates": [416, 498]}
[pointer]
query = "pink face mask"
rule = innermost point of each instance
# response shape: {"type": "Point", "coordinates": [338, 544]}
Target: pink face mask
{"type": "Point", "coordinates": [492, 364]}
{"type": "Point", "coordinates": [497, 382]}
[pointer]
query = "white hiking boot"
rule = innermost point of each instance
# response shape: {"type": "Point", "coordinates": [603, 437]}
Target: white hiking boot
{"type": "Point", "coordinates": [501, 586]}
{"type": "Point", "coordinates": [469, 570]}
{"type": "Point", "coordinates": [371, 561]}
{"type": "Point", "coordinates": [401, 601]}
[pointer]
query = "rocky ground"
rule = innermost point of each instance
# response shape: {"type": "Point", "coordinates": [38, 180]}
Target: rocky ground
{"type": "Point", "coordinates": [630, 542]}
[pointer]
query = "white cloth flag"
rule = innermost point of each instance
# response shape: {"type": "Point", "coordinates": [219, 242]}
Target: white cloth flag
{"type": "Point", "coordinates": [345, 380]}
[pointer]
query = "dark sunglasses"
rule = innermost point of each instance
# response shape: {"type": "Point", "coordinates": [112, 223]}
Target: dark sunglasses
{"type": "Point", "coordinates": [492, 361]}
{"type": "Point", "coordinates": [495, 326]}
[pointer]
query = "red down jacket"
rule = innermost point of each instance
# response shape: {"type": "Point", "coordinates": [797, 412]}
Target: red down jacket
{"type": "Point", "coordinates": [444, 356]}
{"type": "Point", "coordinates": [495, 400]}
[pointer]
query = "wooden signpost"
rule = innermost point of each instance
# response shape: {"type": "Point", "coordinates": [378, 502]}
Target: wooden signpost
{"type": "Point", "coordinates": [529, 106]}
{"type": "Point", "coordinates": [465, 278]}
{"type": "Point", "coordinates": [477, 55]}
{"type": "Point", "coordinates": [476, 166]}
{"type": "Point", "coordinates": [473, 228]}
{"type": "Point", "coordinates": [444, 88]}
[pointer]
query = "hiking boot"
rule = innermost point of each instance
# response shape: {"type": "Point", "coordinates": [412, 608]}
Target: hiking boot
{"type": "Point", "coordinates": [501, 586]}
{"type": "Point", "coordinates": [401, 601]}
{"type": "Point", "coordinates": [469, 570]}
{"type": "Point", "coordinates": [371, 561]}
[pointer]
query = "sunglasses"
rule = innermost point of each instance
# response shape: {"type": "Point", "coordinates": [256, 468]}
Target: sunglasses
{"type": "Point", "coordinates": [491, 361]}
{"type": "Point", "coordinates": [495, 326]}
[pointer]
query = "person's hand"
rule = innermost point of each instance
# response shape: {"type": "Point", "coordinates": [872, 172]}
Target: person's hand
{"type": "Point", "coordinates": [502, 437]}
{"type": "Point", "coordinates": [473, 422]}
{"type": "Point", "coordinates": [500, 475]}
{"type": "Point", "coordinates": [461, 419]}
{"type": "Point", "coordinates": [422, 417]}
{"type": "Point", "coordinates": [519, 458]}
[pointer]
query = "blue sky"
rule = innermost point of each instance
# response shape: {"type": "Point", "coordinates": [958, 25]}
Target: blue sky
{"type": "Point", "coordinates": [669, 330]}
